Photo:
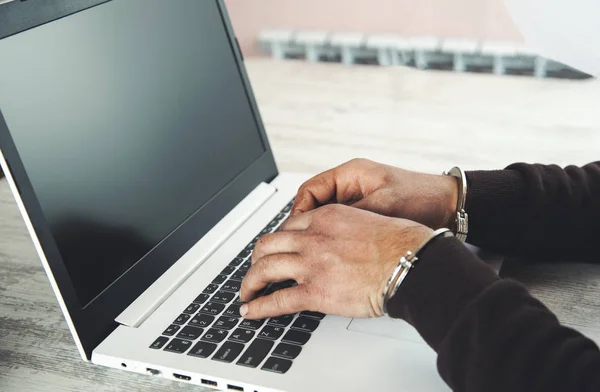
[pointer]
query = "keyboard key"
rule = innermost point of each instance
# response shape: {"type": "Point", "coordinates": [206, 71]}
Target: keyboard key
{"type": "Point", "coordinates": [245, 267]}
{"type": "Point", "coordinates": [228, 352]}
{"type": "Point", "coordinates": [271, 332]}
{"type": "Point", "coordinates": [191, 333]}
{"type": "Point", "coordinates": [182, 319]}
{"type": "Point", "coordinates": [316, 315]}
{"type": "Point", "coordinates": [288, 351]}
{"type": "Point", "coordinates": [237, 261]}
{"type": "Point", "coordinates": [233, 311]}
{"type": "Point", "coordinates": [266, 230]}
{"type": "Point", "coordinates": [212, 308]}
{"type": "Point", "coordinates": [287, 209]}
{"type": "Point", "coordinates": [245, 253]}
{"type": "Point", "coordinates": [170, 331]}
{"type": "Point", "coordinates": [202, 298]}
{"type": "Point", "coordinates": [228, 270]}
{"type": "Point", "coordinates": [277, 365]}
{"type": "Point", "coordinates": [273, 223]}
{"type": "Point", "coordinates": [255, 240]}
{"type": "Point", "coordinates": [178, 346]}
{"type": "Point", "coordinates": [193, 308]}
{"type": "Point", "coordinates": [211, 288]}
{"type": "Point", "coordinates": [226, 323]}
{"type": "Point", "coordinates": [238, 301]}
{"type": "Point", "coordinates": [203, 349]}
{"type": "Point", "coordinates": [305, 324]}
{"type": "Point", "coordinates": [242, 335]}
{"type": "Point", "coordinates": [239, 275]}
{"type": "Point", "coordinates": [158, 343]}
{"type": "Point", "coordinates": [251, 246]}
{"type": "Point", "coordinates": [296, 337]}
{"type": "Point", "coordinates": [255, 353]}
{"type": "Point", "coordinates": [223, 297]}
{"type": "Point", "coordinates": [232, 285]}
{"type": "Point", "coordinates": [280, 216]}
{"type": "Point", "coordinates": [215, 335]}
{"type": "Point", "coordinates": [219, 279]}
{"type": "Point", "coordinates": [252, 324]}
{"type": "Point", "coordinates": [281, 321]}
{"type": "Point", "coordinates": [201, 320]}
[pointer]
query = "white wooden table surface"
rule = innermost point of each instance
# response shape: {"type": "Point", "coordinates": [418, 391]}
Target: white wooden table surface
{"type": "Point", "coordinates": [318, 116]}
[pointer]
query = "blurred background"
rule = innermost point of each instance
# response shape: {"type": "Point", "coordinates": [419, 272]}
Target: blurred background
{"type": "Point", "coordinates": [476, 19]}
{"type": "Point", "coordinates": [418, 84]}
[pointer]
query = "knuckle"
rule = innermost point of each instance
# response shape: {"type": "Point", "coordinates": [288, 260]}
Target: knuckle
{"type": "Point", "coordinates": [260, 246]}
{"type": "Point", "coordinates": [280, 299]}
{"type": "Point", "coordinates": [329, 213]}
{"type": "Point", "coordinates": [358, 161]}
{"type": "Point", "coordinates": [327, 257]}
{"type": "Point", "coordinates": [386, 176]}
{"type": "Point", "coordinates": [328, 210]}
{"type": "Point", "coordinates": [304, 187]}
{"type": "Point", "coordinates": [296, 239]}
{"type": "Point", "coordinates": [262, 241]}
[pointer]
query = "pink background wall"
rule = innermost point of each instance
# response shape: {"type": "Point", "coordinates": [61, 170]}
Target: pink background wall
{"type": "Point", "coordinates": [484, 19]}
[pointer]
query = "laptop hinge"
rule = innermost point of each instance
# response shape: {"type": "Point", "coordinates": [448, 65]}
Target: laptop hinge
{"type": "Point", "coordinates": [174, 277]}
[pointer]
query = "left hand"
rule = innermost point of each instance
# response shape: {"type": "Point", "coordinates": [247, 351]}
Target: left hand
{"type": "Point", "coordinates": [340, 256]}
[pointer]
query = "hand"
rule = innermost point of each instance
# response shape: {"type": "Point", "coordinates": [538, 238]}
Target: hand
{"type": "Point", "coordinates": [387, 190]}
{"type": "Point", "coordinates": [340, 256]}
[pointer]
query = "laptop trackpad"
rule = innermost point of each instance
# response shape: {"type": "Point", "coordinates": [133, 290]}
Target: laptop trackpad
{"type": "Point", "coordinates": [386, 327]}
{"type": "Point", "coordinates": [401, 330]}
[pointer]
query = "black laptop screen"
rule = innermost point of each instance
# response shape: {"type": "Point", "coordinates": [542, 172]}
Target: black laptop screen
{"type": "Point", "coordinates": [128, 119]}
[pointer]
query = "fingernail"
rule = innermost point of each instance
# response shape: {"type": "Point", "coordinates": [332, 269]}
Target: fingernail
{"type": "Point", "coordinates": [244, 310]}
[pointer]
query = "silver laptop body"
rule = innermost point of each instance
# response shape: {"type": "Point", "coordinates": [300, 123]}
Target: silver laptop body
{"type": "Point", "coordinates": [133, 145]}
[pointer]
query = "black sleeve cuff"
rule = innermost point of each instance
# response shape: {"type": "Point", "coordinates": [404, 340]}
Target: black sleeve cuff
{"type": "Point", "coordinates": [496, 201]}
{"type": "Point", "coordinates": [445, 279]}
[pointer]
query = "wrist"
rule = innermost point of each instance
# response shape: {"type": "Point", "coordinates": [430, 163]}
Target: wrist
{"type": "Point", "coordinates": [400, 241]}
{"type": "Point", "coordinates": [450, 196]}
{"type": "Point", "coordinates": [406, 263]}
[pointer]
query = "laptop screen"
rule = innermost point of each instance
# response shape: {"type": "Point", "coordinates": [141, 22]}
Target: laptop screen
{"type": "Point", "coordinates": [132, 127]}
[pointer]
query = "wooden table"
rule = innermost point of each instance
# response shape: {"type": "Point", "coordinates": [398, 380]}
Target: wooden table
{"type": "Point", "coordinates": [318, 116]}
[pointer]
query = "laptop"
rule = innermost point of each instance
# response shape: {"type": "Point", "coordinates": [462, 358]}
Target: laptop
{"type": "Point", "coordinates": [131, 139]}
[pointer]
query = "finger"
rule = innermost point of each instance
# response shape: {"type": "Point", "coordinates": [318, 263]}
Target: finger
{"type": "Point", "coordinates": [278, 242]}
{"type": "Point", "coordinates": [272, 268]}
{"type": "Point", "coordinates": [286, 301]}
{"type": "Point", "coordinates": [315, 192]}
{"type": "Point", "coordinates": [339, 185]}
{"type": "Point", "coordinates": [298, 223]}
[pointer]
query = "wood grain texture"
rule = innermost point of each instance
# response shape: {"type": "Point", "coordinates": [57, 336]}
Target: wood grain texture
{"type": "Point", "coordinates": [318, 116]}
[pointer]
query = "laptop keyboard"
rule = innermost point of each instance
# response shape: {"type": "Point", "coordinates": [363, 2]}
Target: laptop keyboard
{"type": "Point", "coordinates": [211, 326]}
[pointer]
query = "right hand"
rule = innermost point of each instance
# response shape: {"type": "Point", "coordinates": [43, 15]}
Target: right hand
{"type": "Point", "coordinates": [428, 199]}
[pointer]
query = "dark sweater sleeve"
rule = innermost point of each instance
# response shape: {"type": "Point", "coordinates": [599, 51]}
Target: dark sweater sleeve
{"type": "Point", "coordinates": [536, 211]}
{"type": "Point", "coordinates": [490, 334]}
